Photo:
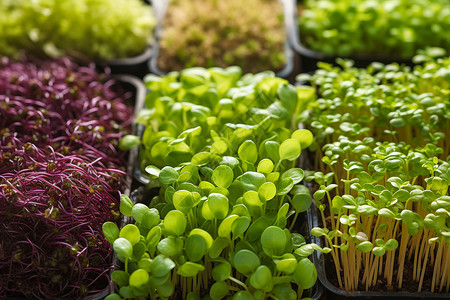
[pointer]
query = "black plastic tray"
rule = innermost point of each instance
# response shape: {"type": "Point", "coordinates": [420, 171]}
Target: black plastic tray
{"type": "Point", "coordinates": [161, 9]}
{"type": "Point", "coordinates": [333, 292]}
{"type": "Point", "coordinates": [136, 65]}
{"type": "Point", "coordinates": [309, 58]}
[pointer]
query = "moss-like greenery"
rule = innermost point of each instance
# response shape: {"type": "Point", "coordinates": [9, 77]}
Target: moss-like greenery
{"type": "Point", "coordinates": [100, 30]}
{"type": "Point", "coordinates": [382, 28]}
{"type": "Point", "coordinates": [209, 33]}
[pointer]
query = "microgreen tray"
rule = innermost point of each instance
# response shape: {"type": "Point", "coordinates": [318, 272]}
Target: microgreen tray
{"type": "Point", "coordinates": [308, 58]}
{"type": "Point", "coordinates": [160, 11]}
{"type": "Point", "coordinates": [333, 292]}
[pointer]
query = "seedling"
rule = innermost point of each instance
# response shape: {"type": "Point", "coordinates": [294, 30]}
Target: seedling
{"type": "Point", "coordinates": [223, 33]}
{"type": "Point", "coordinates": [394, 29]}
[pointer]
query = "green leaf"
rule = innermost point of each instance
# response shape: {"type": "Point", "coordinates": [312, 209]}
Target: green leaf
{"type": "Point", "coordinates": [218, 204]}
{"type": "Point", "coordinates": [204, 234]}
{"type": "Point", "coordinates": [273, 149]}
{"type": "Point", "coordinates": [111, 231]}
{"type": "Point", "coordinates": [265, 166]}
{"type": "Point", "coordinates": [223, 176]}
{"type": "Point", "coordinates": [301, 202]}
{"type": "Point", "coordinates": [290, 150]}
{"type": "Point", "coordinates": [120, 277]}
{"type": "Point", "coordinates": [129, 141]}
{"type": "Point", "coordinates": [304, 136]}
{"type": "Point", "coordinates": [153, 171]}
{"type": "Point", "coordinates": [246, 262]}
{"type": "Point", "coordinates": [195, 247]}
{"type": "Point", "coordinates": [153, 238]}
{"type": "Point", "coordinates": [190, 269]}
{"type": "Point", "coordinates": [287, 264]}
{"type": "Point", "coordinates": [248, 151]}
{"type": "Point", "coordinates": [168, 175]}
{"type": "Point", "coordinates": [240, 225]}
{"type": "Point", "coordinates": [217, 247]}
{"type": "Point", "coordinates": [225, 226]}
{"type": "Point", "coordinates": [218, 290]}
{"type": "Point", "coordinates": [151, 218]}
{"type": "Point", "coordinates": [284, 186]}
{"type": "Point", "coordinates": [184, 200]}
{"type": "Point", "coordinates": [305, 274]}
{"type": "Point", "coordinates": [273, 240]}
{"type": "Point", "coordinates": [123, 248]}
{"type": "Point", "coordinates": [252, 180]}
{"type": "Point", "coordinates": [161, 265]}
{"type": "Point", "coordinates": [251, 198]}
{"type": "Point", "coordinates": [126, 205]}
{"type": "Point", "coordinates": [131, 233]}
{"type": "Point", "coordinates": [139, 278]}
{"type": "Point", "coordinates": [175, 222]}
{"type": "Point", "coordinates": [262, 278]}
{"type": "Point", "coordinates": [170, 246]}
{"type": "Point", "coordinates": [221, 272]}
{"type": "Point", "coordinates": [267, 191]}
{"type": "Point", "coordinates": [296, 174]}
{"type": "Point", "coordinates": [288, 96]}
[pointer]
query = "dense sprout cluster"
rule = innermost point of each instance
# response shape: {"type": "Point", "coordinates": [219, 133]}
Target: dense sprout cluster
{"type": "Point", "coordinates": [223, 33]}
{"type": "Point", "coordinates": [60, 174]}
{"type": "Point", "coordinates": [99, 30]}
{"type": "Point", "coordinates": [226, 148]}
{"type": "Point", "coordinates": [382, 156]}
{"type": "Point", "coordinates": [383, 28]}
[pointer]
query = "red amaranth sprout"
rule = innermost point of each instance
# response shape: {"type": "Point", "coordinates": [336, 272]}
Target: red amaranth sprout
{"type": "Point", "coordinates": [60, 176]}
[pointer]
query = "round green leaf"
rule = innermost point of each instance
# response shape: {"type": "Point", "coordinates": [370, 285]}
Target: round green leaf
{"type": "Point", "coordinates": [138, 211]}
{"type": "Point", "coordinates": [222, 271]}
{"type": "Point", "coordinates": [168, 175]}
{"type": "Point", "coordinates": [123, 248]}
{"type": "Point", "coordinates": [267, 191]}
{"type": "Point", "coordinates": [248, 151]}
{"type": "Point", "coordinates": [252, 180]}
{"type": "Point", "coordinates": [139, 278]}
{"type": "Point", "coordinates": [184, 201]}
{"type": "Point", "coordinates": [170, 246]}
{"type": "Point", "coordinates": [218, 290]}
{"type": "Point", "coordinates": [129, 141]}
{"type": "Point", "coordinates": [273, 238]}
{"type": "Point", "coordinates": [265, 166]}
{"type": "Point", "coordinates": [190, 269]}
{"type": "Point", "coordinates": [287, 264]}
{"type": "Point", "coordinates": [305, 274]}
{"type": "Point", "coordinates": [304, 136]}
{"type": "Point", "coordinates": [246, 261]}
{"type": "Point", "coordinates": [243, 295]}
{"type": "Point", "coordinates": [225, 226]}
{"type": "Point", "coordinates": [131, 233]}
{"type": "Point", "coordinates": [301, 202]}
{"type": "Point", "coordinates": [125, 205]}
{"type": "Point", "coordinates": [195, 247]}
{"type": "Point", "coordinates": [175, 222]}
{"type": "Point", "coordinates": [161, 265]}
{"type": "Point", "coordinates": [153, 238]}
{"type": "Point", "coordinates": [120, 277]}
{"type": "Point", "coordinates": [262, 278]}
{"type": "Point", "coordinates": [290, 149]}
{"type": "Point", "coordinates": [251, 198]}
{"type": "Point", "coordinates": [240, 225]}
{"type": "Point", "coordinates": [151, 218]}
{"type": "Point", "coordinates": [223, 176]}
{"type": "Point", "coordinates": [296, 174]}
{"type": "Point", "coordinates": [218, 204]}
{"type": "Point", "coordinates": [204, 234]}
{"type": "Point", "coordinates": [284, 186]}
{"type": "Point", "coordinates": [111, 231]}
